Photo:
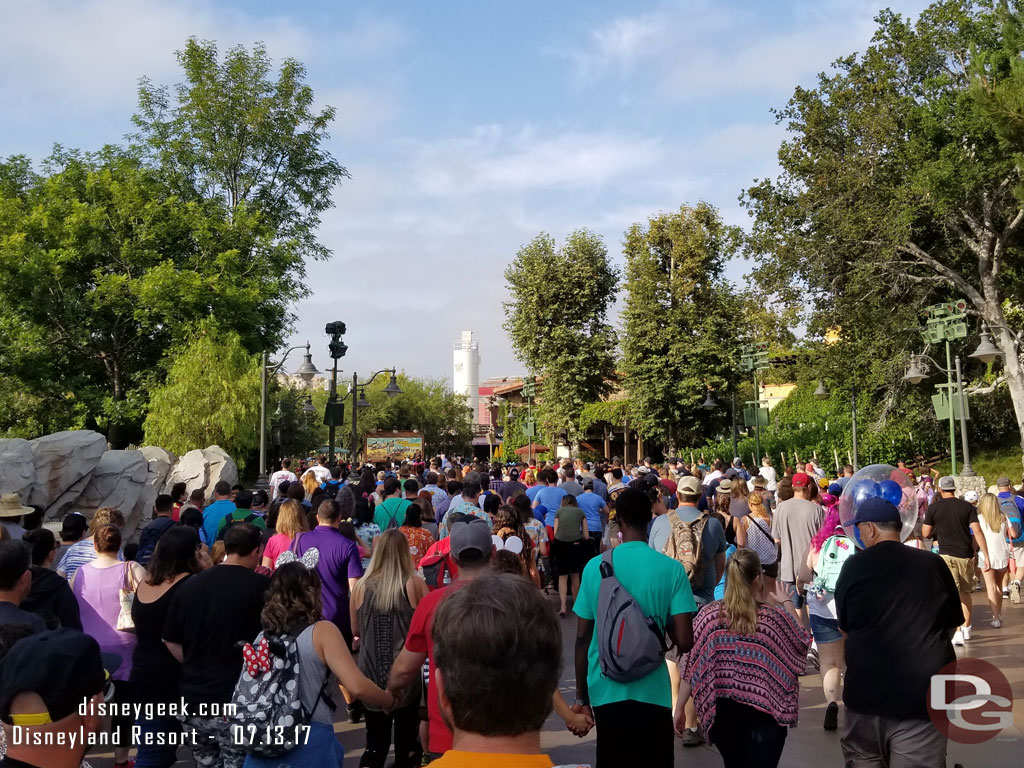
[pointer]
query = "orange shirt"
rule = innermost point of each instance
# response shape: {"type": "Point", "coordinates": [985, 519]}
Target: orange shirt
{"type": "Point", "coordinates": [419, 540]}
{"type": "Point", "coordinates": [457, 759]}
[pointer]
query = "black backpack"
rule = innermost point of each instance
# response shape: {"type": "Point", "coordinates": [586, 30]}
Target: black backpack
{"type": "Point", "coordinates": [150, 536]}
{"type": "Point", "coordinates": [229, 520]}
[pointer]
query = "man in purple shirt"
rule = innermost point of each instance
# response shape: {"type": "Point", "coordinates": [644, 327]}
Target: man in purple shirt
{"type": "Point", "coordinates": [339, 566]}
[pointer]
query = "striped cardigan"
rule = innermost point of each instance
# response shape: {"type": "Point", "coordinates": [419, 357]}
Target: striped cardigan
{"type": "Point", "coordinates": [758, 670]}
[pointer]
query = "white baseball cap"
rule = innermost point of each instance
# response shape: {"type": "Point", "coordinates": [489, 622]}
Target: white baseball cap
{"type": "Point", "coordinates": [971, 496]}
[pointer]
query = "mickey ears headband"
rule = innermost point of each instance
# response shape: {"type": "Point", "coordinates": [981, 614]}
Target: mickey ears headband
{"type": "Point", "coordinates": [309, 558]}
{"type": "Point", "coordinates": [513, 544]}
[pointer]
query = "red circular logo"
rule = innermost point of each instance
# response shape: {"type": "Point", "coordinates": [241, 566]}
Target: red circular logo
{"type": "Point", "coordinates": [970, 701]}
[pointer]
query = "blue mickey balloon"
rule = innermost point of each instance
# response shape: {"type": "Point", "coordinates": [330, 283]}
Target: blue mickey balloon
{"type": "Point", "coordinates": [878, 480]}
{"type": "Point", "coordinates": [891, 491]}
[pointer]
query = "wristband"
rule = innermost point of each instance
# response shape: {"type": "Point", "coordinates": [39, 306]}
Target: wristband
{"type": "Point", "coordinates": [788, 601]}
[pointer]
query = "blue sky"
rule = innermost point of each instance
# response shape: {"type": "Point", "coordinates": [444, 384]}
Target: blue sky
{"type": "Point", "coordinates": [468, 128]}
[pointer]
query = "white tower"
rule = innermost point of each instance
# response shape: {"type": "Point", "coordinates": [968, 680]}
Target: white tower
{"type": "Point", "coordinates": [466, 375]}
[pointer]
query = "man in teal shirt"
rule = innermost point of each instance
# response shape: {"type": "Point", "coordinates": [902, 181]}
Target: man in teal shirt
{"type": "Point", "coordinates": [638, 712]}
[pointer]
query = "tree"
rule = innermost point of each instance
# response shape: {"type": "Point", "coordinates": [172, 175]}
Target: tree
{"type": "Point", "coordinates": [108, 259]}
{"type": "Point", "coordinates": [211, 397]}
{"type": "Point", "coordinates": [233, 133]}
{"type": "Point", "coordinates": [557, 322]}
{"type": "Point", "coordinates": [676, 316]}
{"type": "Point", "coordinates": [101, 272]}
{"type": "Point", "coordinates": [425, 406]}
{"type": "Point", "coordinates": [896, 189]}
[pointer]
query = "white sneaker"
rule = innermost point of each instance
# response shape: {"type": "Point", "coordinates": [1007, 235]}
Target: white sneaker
{"type": "Point", "coordinates": [967, 632]}
{"type": "Point", "coordinates": [958, 637]}
{"type": "Point", "coordinates": [997, 623]}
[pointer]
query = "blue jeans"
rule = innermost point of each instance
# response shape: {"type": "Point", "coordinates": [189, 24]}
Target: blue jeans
{"type": "Point", "coordinates": [154, 755]}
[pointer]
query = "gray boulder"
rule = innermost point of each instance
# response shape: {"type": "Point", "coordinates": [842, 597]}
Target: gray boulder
{"type": "Point", "coordinates": [17, 467]}
{"type": "Point", "coordinates": [117, 481]}
{"type": "Point", "coordinates": [62, 461]}
{"type": "Point", "coordinates": [193, 469]}
{"type": "Point", "coordinates": [160, 463]}
{"type": "Point", "coordinates": [221, 467]}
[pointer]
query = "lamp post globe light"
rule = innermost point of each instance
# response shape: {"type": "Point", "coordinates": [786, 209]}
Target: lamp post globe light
{"type": "Point", "coordinates": [307, 370]}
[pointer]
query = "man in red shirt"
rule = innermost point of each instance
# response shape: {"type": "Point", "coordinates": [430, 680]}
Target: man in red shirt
{"type": "Point", "coordinates": [472, 549]}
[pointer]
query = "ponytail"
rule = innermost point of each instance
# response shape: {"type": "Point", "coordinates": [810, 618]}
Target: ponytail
{"type": "Point", "coordinates": [740, 602]}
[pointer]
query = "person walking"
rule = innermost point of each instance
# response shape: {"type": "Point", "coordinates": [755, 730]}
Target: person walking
{"type": "Point", "coordinates": [156, 674]}
{"type": "Point", "coordinates": [570, 548]}
{"type": "Point", "coordinates": [291, 522]}
{"type": "Point", "coordinates": [749, 650]}
{"type": "Point", "coordinates": [97, 586]}
{"type": "Point", "coordinates": [830, 548]}
{"type": "Point", "coordinates": [897, 607]}
{"type": "Point", "coordinates": [638, 712]}
{"type": "Point", "coordinates": [50, 597]}
{"type": "Point", "coordinates": [794, 524]}
{"type": "Point", "coordinates": [83, 551]}
{"type": "Point", "coordinates": [998, 529]}
{"type": "Point", "coordinates": [382, 606]}
{"type": "Point", "coordinates": [954, 523]}
{"type": "Point", "coordinates": [293, 602]}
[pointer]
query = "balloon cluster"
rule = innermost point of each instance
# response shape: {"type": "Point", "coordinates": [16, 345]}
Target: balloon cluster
{"type": "Point", "coordinates": [883, 481]}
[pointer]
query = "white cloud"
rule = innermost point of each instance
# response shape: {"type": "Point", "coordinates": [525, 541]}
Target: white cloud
{"type": "Point", "coordinates": [494, 158]}
{"type": "Point", "coordinates": [689, 49]}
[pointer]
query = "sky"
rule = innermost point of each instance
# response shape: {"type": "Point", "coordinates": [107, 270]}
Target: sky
{"type": "Point", "coordinates": [468, 128]}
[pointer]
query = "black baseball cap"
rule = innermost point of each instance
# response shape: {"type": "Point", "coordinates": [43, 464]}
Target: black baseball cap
{"type": "Point", "coordinates": [64, 667]}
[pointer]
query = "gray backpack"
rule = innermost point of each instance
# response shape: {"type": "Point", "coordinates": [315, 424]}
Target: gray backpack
{"type": "Point", "coordinates": [630, 645]}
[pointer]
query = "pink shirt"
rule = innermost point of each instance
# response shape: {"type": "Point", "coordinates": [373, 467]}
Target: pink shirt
{"type": "Point", "coordinates": [277, 544]}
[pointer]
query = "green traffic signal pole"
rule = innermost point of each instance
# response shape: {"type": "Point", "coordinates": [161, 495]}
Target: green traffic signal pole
{"type": "Point", "coordinates": [952, 409]}
{"type": "Point", "coordinates": [757, 422]}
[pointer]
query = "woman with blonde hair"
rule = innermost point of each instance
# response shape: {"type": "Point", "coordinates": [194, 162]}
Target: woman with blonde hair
{"type": "Point", "coordinates": [291, 521]}
{"type": "Point", "coordinates": [748, 651]}
{"type": "Point", "coordinates": [309, 483]}
{"type": "Point", "coordinates": [381, 610]}
{"type": "Point", "coordinates": [82, 552]}
{"type": "Point", "coordinates": [754, 532]}
{"type": "Point", "coordinates": [995, 526]}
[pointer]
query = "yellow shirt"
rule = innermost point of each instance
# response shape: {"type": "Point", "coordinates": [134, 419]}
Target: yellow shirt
{"type": "Point", "coordinates": [455, 758]}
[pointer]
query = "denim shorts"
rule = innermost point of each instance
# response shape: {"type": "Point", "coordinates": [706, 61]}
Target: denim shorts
{"type": "Point", "coordinates": [825, 630]}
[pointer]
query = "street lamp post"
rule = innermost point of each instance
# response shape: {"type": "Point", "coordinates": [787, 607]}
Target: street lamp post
{"type": "Point", "coordinates": [754, 357]}
{"type": "Point", "coordinates": [306, 371]}
{"type": "Point", "coordinates": [822, 394]}
{"type": "Point", "coordinates": [709, 404]}
{"type": "Point", "coordinates": [358, 392]}
{"type": "Point", "coordinates": [530, 428]}
{"type": "Point", "coordinates": [337, 349]}
{"type": "Point", "coordinates": [917, 372]}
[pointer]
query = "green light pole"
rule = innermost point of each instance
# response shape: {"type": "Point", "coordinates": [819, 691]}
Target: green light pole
{"type": "Point", "coordinates": [530, 427]}
{"type": "Point", "coordinates": [946, 322]}
{"type": "Point", "coordinates": [754, 358]}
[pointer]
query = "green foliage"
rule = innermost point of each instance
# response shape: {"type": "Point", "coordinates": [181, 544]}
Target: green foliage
{"type": "Point", "coordinates": [677, 303]}
{"type": "Point", "coordinates": [896, 192]}
{"type": "Point", "coordinates": [211, 397]}
{"type": "Point", "coordinates": [513, 421]}
{"type": "Point", "coordinates": [232, 132]}
{"type": "Point", "coordinates": [109, 259]}
{"type": "Point", "coordinates": [557, 322]}
{"type": "Point", "coordinates": [613, 412]}
{"type": "Point", "coordinates": [425, 405]}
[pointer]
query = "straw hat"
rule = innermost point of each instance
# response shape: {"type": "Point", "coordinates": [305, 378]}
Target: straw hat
{"type": "Point", "coordinates": [10, 506]}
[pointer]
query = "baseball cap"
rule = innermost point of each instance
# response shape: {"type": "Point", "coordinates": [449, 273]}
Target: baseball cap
{"type": "Point", "coordinates": [472, 534]}
{"type": "Point", "coordinates": [971, 496]}
{"type": "Point", "coordinates": [835, 489]}
{"type": "Point", "coordinates": [801, 480]}
{"type": "Point", "coordinates": [876, 510]}
{"type": "Point", "coordinates": [63, 667]}
{"type": "Point", "coordinates": [725, 486]}
{"type": "Point", "coordinates": [731, 473]}
{"type": "Point", "coordinates": [1003, 482]}
{"type": "Point", "coordinates": [689, 484]}
{"type": "Point", "coordinates": [642, 470]}
{"type": "Point", "coordinates": [588, 484]}
{"type": "Point", "coordinates": [947, 483]}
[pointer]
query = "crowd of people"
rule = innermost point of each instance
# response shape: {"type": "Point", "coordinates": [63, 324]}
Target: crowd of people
{"type": "Point", "coordinates": [414, 591]}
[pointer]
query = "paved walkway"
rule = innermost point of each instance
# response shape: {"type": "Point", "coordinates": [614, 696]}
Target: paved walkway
{"type": "Point", "coordinates": [808, 744]}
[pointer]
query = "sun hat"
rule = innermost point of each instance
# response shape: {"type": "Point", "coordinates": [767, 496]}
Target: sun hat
{"type": "Point", "coordinates": [11, 506]}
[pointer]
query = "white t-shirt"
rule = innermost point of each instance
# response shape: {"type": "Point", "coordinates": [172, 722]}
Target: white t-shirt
{"type": "Point", "coordinates": [771, 479]}
{"type": "Point", "coordinates": [712, 476]}
{"type": "Point", "coordinates": [279, 477]}
{"type": "Point", "coordinates": [322, 474]}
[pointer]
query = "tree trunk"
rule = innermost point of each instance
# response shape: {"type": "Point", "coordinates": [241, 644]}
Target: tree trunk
{"type": "Point", "coordinates": [1014, 376]}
